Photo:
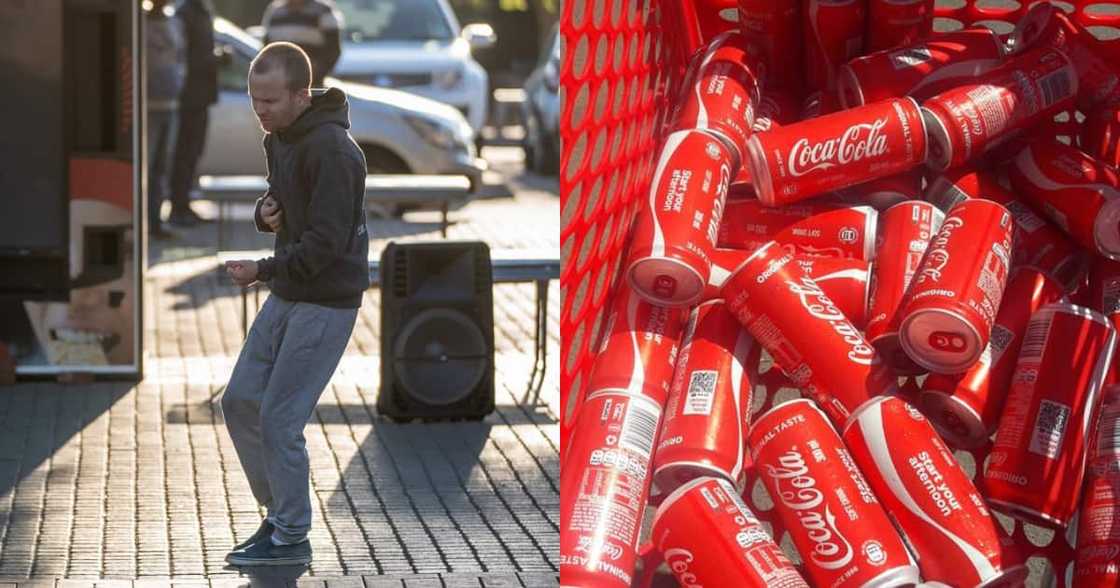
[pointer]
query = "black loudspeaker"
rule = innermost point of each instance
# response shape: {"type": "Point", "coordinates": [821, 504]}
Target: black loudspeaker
{"type": "Point", "coordinates": [437, 331]}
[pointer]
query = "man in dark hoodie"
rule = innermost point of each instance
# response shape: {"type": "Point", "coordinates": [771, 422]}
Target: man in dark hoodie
{"type": "Point", "coordinates": [314, 204]}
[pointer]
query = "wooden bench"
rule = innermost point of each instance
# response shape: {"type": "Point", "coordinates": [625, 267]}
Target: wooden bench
{"type": "Point", "coordinates": [508, 266]}
{"type": "Point", "coordinates": [382, 192]}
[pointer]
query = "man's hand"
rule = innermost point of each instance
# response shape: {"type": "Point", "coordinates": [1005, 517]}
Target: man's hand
{"type": "Point", "coordinates": [243, 272]}
{"type": "Point", "coordinates": [271, 214]}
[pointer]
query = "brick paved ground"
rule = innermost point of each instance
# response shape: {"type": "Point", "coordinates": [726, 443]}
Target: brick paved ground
{"type": "Point", "coordinates": [112, 484]}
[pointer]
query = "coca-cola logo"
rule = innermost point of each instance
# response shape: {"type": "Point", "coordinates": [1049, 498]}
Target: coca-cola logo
{"type": "Point", "coordinates": [679, 560]}
{"type": "Point", "coordinates": [858, 142]}
{"type": "Point", "coordinates": [937, 257]}
{"type": "Point", "coordinates": [798, 491]}
{"type": "Point", "coordinates": [819, 306]}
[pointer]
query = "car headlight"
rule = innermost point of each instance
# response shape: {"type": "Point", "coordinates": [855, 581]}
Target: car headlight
{"type": "Point", "coordinates": [447, 79]}
{"type": "Point", "coordinates": [432, 131]}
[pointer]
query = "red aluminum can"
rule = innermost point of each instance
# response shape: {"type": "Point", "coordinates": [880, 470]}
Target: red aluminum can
{"type": "Point", "coordinates": [972, 118]}
{"type": "Point", "coordinates": [776, 25]}
{"type": "Point", "coordinates": [845, 281]}
{"type": "Point", "coordinates": [709, 406]}
{"type": "Point", "coordinates": [810, 339]}
{"type": "Point", "coordinates": [721, 94]}
{"type": "Point", "coordinates": [1038, 460]}
{"type": "Point", "coordinates": [948, 311]}
{"type": "Point", "coordinates": [1100, 135]}
{"type": "Point", "coordinates": [921, 70]}
{"type": "Point", "coordinates": [674, 235]}
{"type": "Point", "coordinates": [1074, 190]}
{"type": "Point", "coordinates": [835, 151]}
{"type": "Point", "coordinates": [833, 35]}
{"type": "Point", "coordinates": [965, 408]}
{"type": "Point", "coordinates": [929, 496]}
{"type": "Point", "coordinates": [709, 537]}
{"type": "Point", "coordinates": [1045, 25]}
{"type": "Point", "coordinates": [812, 229]}
{"type": "Point", "coordinates": [904, 236]}
{"type": "Point", "coordinates": [895, 23]}
{"type": "Point", "coordinates": [1103, 296]}
{"type": "Point", "coordinates": [604, 486]}
{"type": "Point", "coordinates": [824, 502]}
{"type": "Point", "coordinates": [638, 349]}
{"type": "Point", "coordinates": [1038, 243]}
{"type": "Point", "coordinates": [885, 192]}
{"type": "Point", "coordinates": [1098, 536]}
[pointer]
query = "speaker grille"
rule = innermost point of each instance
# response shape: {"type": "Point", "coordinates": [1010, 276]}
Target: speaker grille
{"type": "Point", "coordinates": [400, 273]}
{"type": "Point", "coordinates": [440, 356]}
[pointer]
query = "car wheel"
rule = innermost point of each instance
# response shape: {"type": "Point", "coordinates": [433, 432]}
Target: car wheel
{"type": "Point", "coordinates": [380, 160]}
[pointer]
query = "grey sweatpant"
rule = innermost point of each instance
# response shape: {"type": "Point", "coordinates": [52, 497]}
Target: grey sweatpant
{"type": "Point", "coordinates": [287, 360]}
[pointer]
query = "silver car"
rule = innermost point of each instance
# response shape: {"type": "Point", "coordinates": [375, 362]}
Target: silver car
{"type": "Point", "coordinates": [399, 132]}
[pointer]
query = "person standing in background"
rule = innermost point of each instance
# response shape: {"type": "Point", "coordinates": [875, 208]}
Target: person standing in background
{"type": "Point", "coordinates": [313, 25]}
{"type": "Point", "coordinates": [199, 92]}
{"type": "Point", "coordinates": [165, 51]}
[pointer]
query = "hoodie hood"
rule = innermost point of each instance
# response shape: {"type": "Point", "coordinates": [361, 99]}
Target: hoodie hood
{"type": "Point", "coordinates": [328, 107]}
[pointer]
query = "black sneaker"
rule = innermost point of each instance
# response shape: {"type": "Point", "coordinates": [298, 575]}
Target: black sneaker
{"type": "Point", "coordinates": [264, 553]}
{"type": "Point", "coordinates": [263, 531]}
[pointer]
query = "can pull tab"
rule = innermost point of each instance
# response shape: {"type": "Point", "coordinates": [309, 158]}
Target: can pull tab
{"type": "Point", "coordinates": [946, 341]}
{"type": "Point", "coordinates": [665, 286]}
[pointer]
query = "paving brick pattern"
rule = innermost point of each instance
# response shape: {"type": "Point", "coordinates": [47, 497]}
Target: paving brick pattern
{"type": "Point", "coordinates": [113, 484]}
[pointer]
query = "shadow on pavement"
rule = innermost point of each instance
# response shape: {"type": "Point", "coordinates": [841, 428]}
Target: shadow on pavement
{"type": "Point", "coordinates": [270, 576]}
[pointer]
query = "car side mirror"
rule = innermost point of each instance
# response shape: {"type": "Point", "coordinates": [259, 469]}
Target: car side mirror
{"type": "Point", "coordinates": [480, 35]}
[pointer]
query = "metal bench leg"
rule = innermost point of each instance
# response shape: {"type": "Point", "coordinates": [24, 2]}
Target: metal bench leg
{"type": "Point", "coordinates": [540, 357]}
{"type": "Point", "coordinates": [443, 223]}
{"type": "Point", "coordinates": [221, 225]}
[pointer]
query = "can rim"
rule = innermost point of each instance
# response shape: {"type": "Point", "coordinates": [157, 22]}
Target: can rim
{"type": "Point", "coordinates": [870, 232]}
{"type": "Point", "coordinates": [731, 275]}
{"type": "Point", "coordinates": [924, 133]}
{"type": "Point", "coordinates": [760, 171]}
{"type": "Point", "coordinates": [676, 494]}
{"type": "Point", "coordinates": [715, 473]}
{"type": "Point", "coordinates": [910, 349]}
{"type": "Point", "coordinates": [1014, 509]}
{"type": "Point", "coordinates": [906, 575]}
{"type": "Point", "coordinates": [866, 406]}
{"type": "Point", "coordinates": [1013, 575]}
{"type": "Point", "coordinates": [929, 120]}
{"type": "Point", "coordinates": [812, 404]}
{"type": "Point", "coordinates": [677, 303]}
{"type": "Point", "coordinates": [1106, 227]}
{"type": "Point", "coordinates": [852, 83]}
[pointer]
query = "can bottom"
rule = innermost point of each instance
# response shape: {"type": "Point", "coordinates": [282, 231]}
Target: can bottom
{"type": "Point", "coordinates": [957, 423]}
{"type": "Point", "coordinates": [666, 281]}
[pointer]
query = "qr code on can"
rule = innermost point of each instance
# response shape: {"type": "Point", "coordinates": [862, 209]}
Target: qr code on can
{"type": "Point", "coordinates": [701, 392]}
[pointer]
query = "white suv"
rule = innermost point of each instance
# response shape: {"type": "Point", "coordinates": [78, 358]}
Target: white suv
{"type": "Point", "coordinates": [416, 46]}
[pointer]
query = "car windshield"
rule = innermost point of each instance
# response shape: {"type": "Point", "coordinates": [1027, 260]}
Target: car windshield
{"type": "Point", "coordinates": [394, 20]}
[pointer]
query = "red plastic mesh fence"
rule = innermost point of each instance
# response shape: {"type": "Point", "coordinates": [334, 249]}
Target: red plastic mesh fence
{"type": "Point", "coordinates": [622, 61]}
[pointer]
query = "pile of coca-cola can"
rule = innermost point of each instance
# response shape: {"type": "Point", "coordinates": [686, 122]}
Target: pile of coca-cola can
{"type": "Point", "coordinates": [857, 200]}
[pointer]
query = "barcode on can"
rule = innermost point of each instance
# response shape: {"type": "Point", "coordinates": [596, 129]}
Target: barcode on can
{"type": "Point", "coordinates": [1049, 429]}
{"type": "Point", "coordinates": [1034, 342]}
{"type": "Point", "coordinates": [1001, 338]}
{"type": "Point", "coordinates": [639, 426]}
{"type": "Point", "coordinates": [1025, 218]}
{"type": "Point", "coordinates": [1055, 87]}
{"type": "Point", "coordinates": [701, 391]}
